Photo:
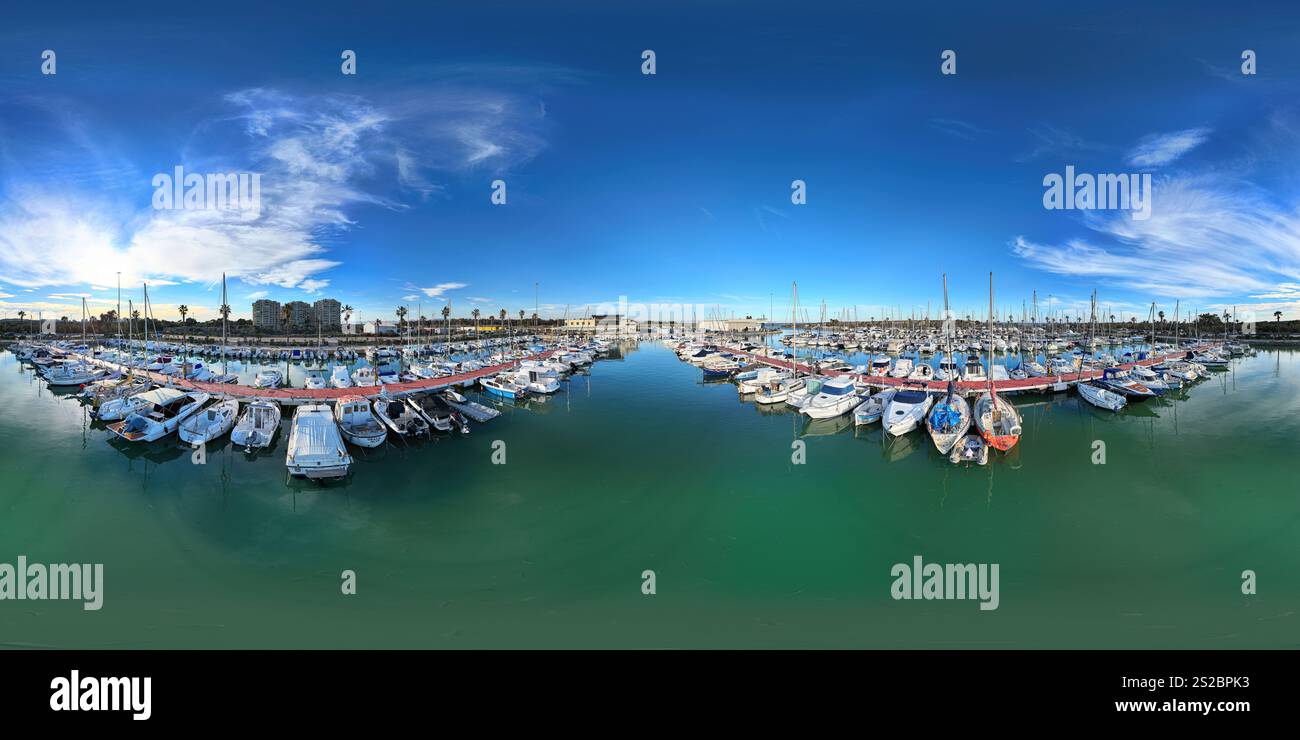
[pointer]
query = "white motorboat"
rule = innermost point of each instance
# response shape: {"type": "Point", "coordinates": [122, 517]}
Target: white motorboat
{"type": "Point", "coordinates": [1118, 380]}
{"type": "Point", "coordinates": [949, 369]}
{"type": "Point", "coordinates": [440, 415]}
{"type": "Point", "coordinates": [364, 377]}
{"type": "Point", "coordinates": [1101, 397]}
{"type": "Point", "coordinates": [872, 409]}
{"type": "Point", "coordinates": [314, 380]}
{"type": "Point", "coordinates": [922, 372]}
{"type": "Point", "coordinates": [210, 423]}
{"type": "Point", "coordinates": [316, 450]}
{"type": "Point", "coordinates": [800, 397]}
{"type": "Point", "coordinates": [974, 370]}
{"type": "Point", "coordinates": [268, 379]}
{"type": "Point", "coordinates": [879, 366]}
{"type": "Point", "coordinates": [504, 386]}
{"type": "Point", "coordinates": [400, 418]}
{"type": "Point", "coordinates": [759, 379]}
{"type": "Point", "coordinates": [158, 420]}
{"type": "Point", "coordinates": [837, 396]}
{"type": "Point", "coordinates": [906, 410]}
{"type": "Point", "coordinates": [537, 380]}
{"type": "Point", "coordinates": [902, 368]}
{"type": "Point", "coordinates": [257, 426]}
{"type": "Point", "coordinates": [357, 423]}
{"type": "Point", "coordinates": [339, 377]}
{"type": "Point", "coordinates": [777, 389]}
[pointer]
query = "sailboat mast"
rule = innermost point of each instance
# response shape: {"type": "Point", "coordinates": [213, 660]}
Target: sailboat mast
{"type": "Point", "coordinates": [794, 323]}
{"type": "Point", "coordinates": [992, 391]}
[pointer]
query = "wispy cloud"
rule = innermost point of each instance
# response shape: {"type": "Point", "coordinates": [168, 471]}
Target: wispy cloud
{"type": "Point", "coordinates": [1157, 150]}
{"type": "Point", "coordinates": [1050, 141]}
{"type": "Point", "coordinates": [958, 129]}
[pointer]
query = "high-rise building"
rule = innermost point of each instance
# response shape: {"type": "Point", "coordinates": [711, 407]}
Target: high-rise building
{"type": "Point", "coordinates": [329, 313]}
{"type": "Point", "coordinates": [300, 315]}
{"type": "Point", "coordinates": [266, 314]}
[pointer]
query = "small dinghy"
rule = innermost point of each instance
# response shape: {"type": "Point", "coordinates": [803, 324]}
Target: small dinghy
{"type": "Point", "coordinates": [971, 449]}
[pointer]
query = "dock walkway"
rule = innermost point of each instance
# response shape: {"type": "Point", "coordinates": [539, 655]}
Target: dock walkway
{"type": "Point", "coordinates": [299, 396]}
{"type": "Point", "coordinates": [1053, 383]}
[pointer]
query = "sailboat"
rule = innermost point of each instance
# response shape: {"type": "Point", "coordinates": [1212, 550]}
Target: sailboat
{"type": "Point", "coordinates": [949, 420]}
{"type": "Point", "coordinates": [996, 417]}
{"type": "Point", "coordinates": [210, 423]}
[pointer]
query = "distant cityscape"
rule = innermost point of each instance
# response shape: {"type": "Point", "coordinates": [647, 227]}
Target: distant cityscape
{"type": "Point", "coordinates": [325, 314]}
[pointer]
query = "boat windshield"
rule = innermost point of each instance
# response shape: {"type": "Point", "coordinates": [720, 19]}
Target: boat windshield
{"type": "Point", "coordinates": [832, 390]}
{"type": "Point", "coordinates": [909, 396]}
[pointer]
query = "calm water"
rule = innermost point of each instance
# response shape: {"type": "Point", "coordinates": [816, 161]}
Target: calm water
{"type": "Point", "coordinates": [641, 466]}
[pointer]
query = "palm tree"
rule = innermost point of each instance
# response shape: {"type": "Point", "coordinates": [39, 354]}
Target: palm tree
{"type": "Point", "coordinates": [1277, 317]}
{"type": "Point", "coordinates": [184, 309]}
{"type": "Point", "coordinates": [475, 314]}
{"type": "Point", "coordinates": [21, 315]}
{"type": "Point", "coordinates": [446, 317]}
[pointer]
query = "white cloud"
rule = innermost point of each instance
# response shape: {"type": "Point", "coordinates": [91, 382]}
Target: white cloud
{"type": "Point", "coordinates": [257, 294]}
{"type": "Point", "coordinates": [1156, 150]}
{"type": "Point", "coordinates": [436, 290]}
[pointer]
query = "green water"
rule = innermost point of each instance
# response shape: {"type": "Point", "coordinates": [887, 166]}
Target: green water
{"type": "Point", "coordinates": [641, 466]}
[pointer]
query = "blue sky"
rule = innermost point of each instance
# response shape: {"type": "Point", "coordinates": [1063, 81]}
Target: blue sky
{"type": "Point", "coordinates": [672, 188]}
